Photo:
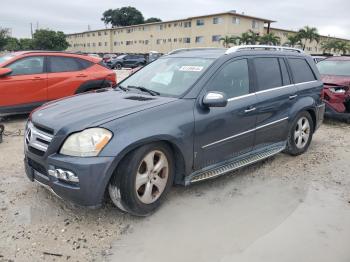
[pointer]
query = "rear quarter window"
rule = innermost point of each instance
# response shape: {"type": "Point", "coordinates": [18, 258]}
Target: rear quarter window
{"type": "Point", "coordinates": [301, 70]}
{"type": "Point", "coordinates": [268, 72]}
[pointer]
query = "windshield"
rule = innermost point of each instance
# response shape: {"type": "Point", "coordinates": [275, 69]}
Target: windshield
{"type": "Point", "coordinates": [5, 58]}
{"type": "Point", "coordinates": [334, 67]}
{"type": "Point", "coordinates": [169, 76]}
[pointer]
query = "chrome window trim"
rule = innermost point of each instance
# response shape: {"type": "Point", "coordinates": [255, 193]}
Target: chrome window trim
{"type": "Point", "coordinates": [245, 132]}
{"type": "Point", "coordinates": [269, 90]}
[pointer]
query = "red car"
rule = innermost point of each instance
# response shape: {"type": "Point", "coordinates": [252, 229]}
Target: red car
{"type": "Point", "coordinates": [335, 72]}
{"type": "Point", "coordinates": [29, 79]}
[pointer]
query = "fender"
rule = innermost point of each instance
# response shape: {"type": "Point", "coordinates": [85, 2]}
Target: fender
{"type": "Point", "coordinates": [303, 104]}
{"type": "Point", "coordinates": [92, 85]}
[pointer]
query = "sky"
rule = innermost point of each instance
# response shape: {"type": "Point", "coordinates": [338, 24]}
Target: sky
{"type": "Point", "coordinates": [331, 17]}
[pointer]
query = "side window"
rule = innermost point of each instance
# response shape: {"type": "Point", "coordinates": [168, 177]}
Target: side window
{"type": "Point", "coordinates": [268, 73]}
{"type": "Point", "coordinates": [232, 79]}
{"type": "Point", "coordinates": [66, 64]}
{"type": "Point", "coordinates": [28, 66]}
{"type": "Point", "coordinates": [301, 70]}
{"type": "Point", "coordinates": [284, 71]}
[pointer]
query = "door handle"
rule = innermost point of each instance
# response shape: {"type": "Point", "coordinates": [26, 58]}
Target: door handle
{"type": "Point", "coordinates": [250, 109]}
{"type": "Point", "coordinates": [37, 78]}
{"type": "Point", "coordinates": [81, 75]}
{"type": "Point", "coordinates": [291, 97]}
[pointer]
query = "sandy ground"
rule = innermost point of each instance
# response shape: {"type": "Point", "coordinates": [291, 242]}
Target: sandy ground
{"type": "Point", "coordinates": [283, 209]}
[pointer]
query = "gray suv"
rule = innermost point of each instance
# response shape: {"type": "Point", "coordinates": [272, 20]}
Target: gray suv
{"type": "Point", "coordinates": [190, 116]}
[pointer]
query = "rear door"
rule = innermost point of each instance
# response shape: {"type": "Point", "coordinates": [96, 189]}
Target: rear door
{"type": "Point", "coordinates": [66, 75]}
{"type": "Point", "coordinates": [276, 95]}
{"type": "Point", "coordinates": [26, 86]}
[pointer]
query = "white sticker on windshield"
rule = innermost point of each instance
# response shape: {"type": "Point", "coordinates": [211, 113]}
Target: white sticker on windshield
{"type": "Point", "coordinates": [191, 68]}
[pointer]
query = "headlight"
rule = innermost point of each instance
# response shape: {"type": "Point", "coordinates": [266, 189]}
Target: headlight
{"type": "Point", "coordinates": [89, 142]}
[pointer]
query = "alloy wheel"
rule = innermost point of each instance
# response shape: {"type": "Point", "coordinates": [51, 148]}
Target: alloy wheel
{"type": "Point", "coordinates": [302, 132]}
{"type": "Point", "coordinates": [152, 177]}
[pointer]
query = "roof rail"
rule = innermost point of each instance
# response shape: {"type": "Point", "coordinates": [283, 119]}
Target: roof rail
{"type": "Point", "coordinates": [181, 50]}
{"type": "Point", "coordinates": [262, 47]}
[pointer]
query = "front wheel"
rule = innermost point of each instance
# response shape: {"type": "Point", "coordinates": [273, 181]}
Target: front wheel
{"type": "Point", "coordinates": [143, 179]}
{"type": "Point", "coordinates": [300, 134]}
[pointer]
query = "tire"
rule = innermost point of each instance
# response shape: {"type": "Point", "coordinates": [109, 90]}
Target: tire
{"type": "Point", "coordinates": [118, 66]}
{"type": "Point", "coordinates": [134, 188]}
{"type": "Point", "coordinates": [300, 134]}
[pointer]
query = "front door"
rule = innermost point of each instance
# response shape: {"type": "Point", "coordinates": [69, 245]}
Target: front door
{"type": "Point", "coordinates": [223, 133]}
{"type": "Point", "coordinates": [26, 86]}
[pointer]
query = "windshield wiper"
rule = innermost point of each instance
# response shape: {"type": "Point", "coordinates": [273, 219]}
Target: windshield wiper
{"type": "Point", "coordinates": [123, 88]}
{"type": "Point", "coordinates": [144, 89]}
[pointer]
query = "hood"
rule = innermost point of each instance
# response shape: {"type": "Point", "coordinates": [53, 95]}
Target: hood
{"type": "Point", "coordinates": [93, 109]}
{"type": "Point", "coordinates": [331, 80]}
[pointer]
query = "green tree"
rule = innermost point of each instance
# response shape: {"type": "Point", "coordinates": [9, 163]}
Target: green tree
{"type": "Point", "coordinates": [45, 39]}
{"type": "Point", "coordinates": [227, 41]}
{"type": "Point", "coordinates": [308, 34]}
{"type": "Point", "coordinates": [270, 39]}
{"type": "Point", "coordinates": [4, 32]}
{"type": "Point", "coordinates": [293, 40]}
{"type": "Point", "coordinates": [12, 44]}
{"type": "Point", "coordinates": [341, 46]}
{"type": "Point", "coordinates": [124, 16]}
{"type": "Point", "coordinates": [152, 20]}
{"type": "Point", "coordinates": [26, 43]}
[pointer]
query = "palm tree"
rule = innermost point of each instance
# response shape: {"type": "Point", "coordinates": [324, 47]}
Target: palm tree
{"type": "Point", "coordinates": [226, 40]}
{"type": "Point", "coordinates": [293, 40]}
{"type": "Point", "coordinates": [308, 34]}
{"type": "Point", "coordinates": [254, 38]}
{"type": "Point", "coordinates": [342, 46]}
{"type": "Point", "coordinates": [270, 39]}
{"type": "Point", "coordinates": [328, 45]}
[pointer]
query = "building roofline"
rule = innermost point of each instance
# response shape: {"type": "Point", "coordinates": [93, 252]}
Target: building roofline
{"type": "Point", "coordinates": [296, 31]}
{"type": "Point", "coordinates": [178, 20]}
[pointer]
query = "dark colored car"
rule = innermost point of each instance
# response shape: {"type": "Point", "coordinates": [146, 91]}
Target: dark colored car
{"type": "Point", "coordinates": [130, 61]}
{"type": "Point", "coordinates": [29, 79]}
{"type": "Point", "coordinates": [335, 73]}
{"type": "Point", "coordinates": [182, 119]}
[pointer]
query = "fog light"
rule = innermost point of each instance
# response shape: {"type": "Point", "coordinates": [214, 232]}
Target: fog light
{"type": "Point", "coordinates": [64, 175]}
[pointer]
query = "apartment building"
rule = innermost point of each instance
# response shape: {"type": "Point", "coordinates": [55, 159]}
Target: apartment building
{"type": "Point", "coordinates": [199, 31]}
{"type": "Point", "coordinates": [312, 48]}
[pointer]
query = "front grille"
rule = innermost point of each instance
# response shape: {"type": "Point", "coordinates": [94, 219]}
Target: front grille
{"type": "Point", "coordinates": [37, 138]}
{"type": "Point", "coordinates": [37, 167]}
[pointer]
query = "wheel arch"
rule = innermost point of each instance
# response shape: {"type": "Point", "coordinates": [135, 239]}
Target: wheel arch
{"type": "Point", "coordinates": [92, 85]}
{"type": "Point", "coordinates": [305, 104]}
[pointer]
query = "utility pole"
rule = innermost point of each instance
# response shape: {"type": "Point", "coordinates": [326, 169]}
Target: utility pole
{"type": "Point", "coordinates": [31, 29]}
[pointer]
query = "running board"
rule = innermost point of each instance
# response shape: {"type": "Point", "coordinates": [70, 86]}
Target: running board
{"type": "Point", "coordinates": [233, 165]}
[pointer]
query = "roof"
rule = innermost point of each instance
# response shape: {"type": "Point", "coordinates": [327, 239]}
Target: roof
{"type": "Point", "coordinates": [265, 20]}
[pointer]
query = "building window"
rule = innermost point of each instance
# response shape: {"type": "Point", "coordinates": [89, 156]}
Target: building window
{"type": "Point", "coordinates": [200, 22]}
{"type": "Point", "coordinates": [106, 43]}
{"type": "Point", "coordinates": [129, 42]}
{"type": "Point", "coordinates": [93, 44]}
{"type": "Point", "coordinates": [115, 43]}
{"type": "Point", "coordinates": [255, 24]}
{"type": "Point", "coordinates": [187, 40]}
{"type": "Point", "coordinates": [88, 35]}
{"type": "Point", "coordinates": [99, 44]}
{"type": "Point", "coordinates": [199, 39]}
{"type": "Point", "coordinates": [175, 24]}
{"type": "Point", "coordinates": [99, 33]}
{"type": "Point", "coordinates": [106, 33]}
{"type": "Point", "coordinates": [175, 40]}
{"type": "Point", "coordinates": [158, 41]}
{"type": "Point", "coordinates": [187, 24]}
{"type": "Point", "coordinates": [217, 20]}
{"type": "Point", "coordinates": [93, 34]}
{"type": "Point", "coordinates": [88, 44]}
{"type": "Point", "coordinates": [215, 38]}
{"type": "Point", "coordinates": [235, 20]}
{"type": "Point", "coordinates": [160, 27]}
{"type": "Point", "coordinates": [169, 39]}
{"type": "Point", "coordinates": [146, 42]}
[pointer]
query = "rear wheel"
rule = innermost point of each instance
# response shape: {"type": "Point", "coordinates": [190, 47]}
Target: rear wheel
{"type": "Point", "coordinates": [118, 66]}
{"type": "Point", "coordinates": [300, 134]}
{"type": "Point", "coordinates": [143, 179]}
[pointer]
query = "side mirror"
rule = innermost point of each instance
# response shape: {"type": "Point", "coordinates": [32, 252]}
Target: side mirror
{"type": "Point", "coordinates": [215, 99]}
{"type": "Point", "coordinates": [5, 72]}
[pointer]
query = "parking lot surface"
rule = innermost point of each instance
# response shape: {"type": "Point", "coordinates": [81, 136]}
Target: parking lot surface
{"type": "Point", "coordinates": [283, 209]}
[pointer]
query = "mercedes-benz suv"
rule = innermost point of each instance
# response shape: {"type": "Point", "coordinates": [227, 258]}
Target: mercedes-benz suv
{"type": "Point", "coordinates": [190, 116]}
